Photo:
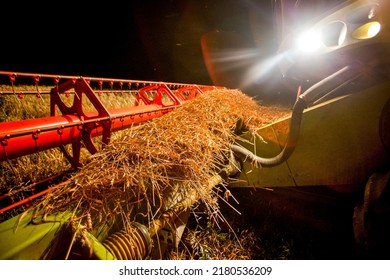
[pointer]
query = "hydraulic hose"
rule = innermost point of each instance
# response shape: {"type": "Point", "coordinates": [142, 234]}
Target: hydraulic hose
{"type": "Point", "coordinates": [312, 94]}
{"type": "Point", "coordinates": [295, 125]}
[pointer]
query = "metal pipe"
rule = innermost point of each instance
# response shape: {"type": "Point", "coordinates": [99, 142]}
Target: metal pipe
{"type": "Point", "coordinates": [19, 138]}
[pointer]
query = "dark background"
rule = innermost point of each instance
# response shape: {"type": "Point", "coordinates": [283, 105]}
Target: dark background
{"type": "Point", "coordinates": [147, 40]}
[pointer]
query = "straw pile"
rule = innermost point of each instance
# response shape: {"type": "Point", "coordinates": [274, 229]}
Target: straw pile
{"type": "Point", "coordinates": [145, 169]}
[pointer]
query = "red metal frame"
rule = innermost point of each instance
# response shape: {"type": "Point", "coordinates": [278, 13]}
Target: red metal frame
{"type": "Point", "coordinates": [74, 126]}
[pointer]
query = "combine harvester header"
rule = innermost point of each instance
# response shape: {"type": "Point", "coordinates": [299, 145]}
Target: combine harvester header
{"type": "Point", "coordinates": [73, 125]}
{"type": "Point", "coordinates": [77, 115]}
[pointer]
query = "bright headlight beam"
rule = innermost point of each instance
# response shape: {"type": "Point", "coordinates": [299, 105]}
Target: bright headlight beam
{"type": "Point", "coordinates": [367, 30]}
{"type": "Point", "coordinates": [309, 41]}
{"type": "Point", "coordinates": [374, 29]}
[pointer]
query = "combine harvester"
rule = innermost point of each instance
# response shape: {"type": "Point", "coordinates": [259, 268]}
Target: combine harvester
{"type": "Point", "coordinates": [336, 141]}
{"type": "Point", "coordinates": [73, 130]}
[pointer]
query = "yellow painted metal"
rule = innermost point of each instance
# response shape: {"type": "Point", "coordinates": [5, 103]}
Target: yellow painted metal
{"type": "Point", "coordinates": [26, 238]}
{"type": "Point", "coordinates": [340, 144]}
{"type": "Point", "coordinates": [99, 251]}
{"type": "Point", "coordinates": [22, 240]}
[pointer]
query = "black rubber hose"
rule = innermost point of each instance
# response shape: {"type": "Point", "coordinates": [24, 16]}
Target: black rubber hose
{"type": "Point", "coordinates": [309, 96]}
{"type": "Point", "coordinates": [295, 127]}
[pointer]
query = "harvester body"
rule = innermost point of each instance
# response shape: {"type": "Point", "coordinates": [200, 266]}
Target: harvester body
{"type": "Point", "coordinates": [342, 139]}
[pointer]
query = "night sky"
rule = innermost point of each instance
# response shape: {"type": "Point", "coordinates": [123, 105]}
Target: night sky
{"type": "Point", "coordinates": [141, 39]}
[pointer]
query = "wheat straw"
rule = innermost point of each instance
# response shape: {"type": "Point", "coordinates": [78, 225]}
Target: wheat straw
{"type": "Point", "coordinates": [146, 169]}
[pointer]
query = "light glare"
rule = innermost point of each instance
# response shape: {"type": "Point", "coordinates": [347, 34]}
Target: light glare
{"type": "Point", "coordinates": [374, 29]}
{"type": "Point", "coordinates": [367, 31]}
{"type": "Point", "coordinates": [309, 41]}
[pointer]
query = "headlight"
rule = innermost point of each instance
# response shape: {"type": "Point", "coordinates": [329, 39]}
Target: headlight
{"type": "Point", "coordinates": [309, 41]}
{"type": "Point", "coordinates": [333, 35]}
{"type": "Point", "coordinates": [346, 27]}
{"type": "Point", "coordinates": [354, 24]}
{"type": "Point", "coordinates": [367, 31]}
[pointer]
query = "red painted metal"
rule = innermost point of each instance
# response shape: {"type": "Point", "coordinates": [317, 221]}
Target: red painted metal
{"type": "Point", "coordinates": [76, 127]}
{"type": "Point", "coordinates": [188, 92]}
{"type": "Point", "coordinates": [24, 137]}
{"type": "Point", "coordinates": [35, 193]}
{"type": "Point", "coordinates": [24, 201]}
{"type": "Point", "coordinates": [157, 97]}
